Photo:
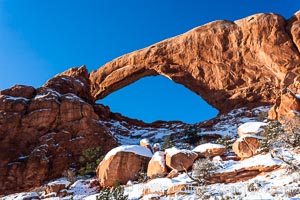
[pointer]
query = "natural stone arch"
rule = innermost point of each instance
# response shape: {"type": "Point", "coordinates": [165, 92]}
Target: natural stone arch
{"type": "Point", "coordinates": [229, 64]}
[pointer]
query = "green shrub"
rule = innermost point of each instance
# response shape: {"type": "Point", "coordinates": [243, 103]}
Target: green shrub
{"type": "Point", "coordinates": [227, 141]}
{"type": "Point", "coordinates": [167, 143]}
{"type": "Point", "coordinates": [191, 134]}
{"type": "Point", "coordinates": [112, 194]}
{"type": "Point", "coordinates": [90, 159]}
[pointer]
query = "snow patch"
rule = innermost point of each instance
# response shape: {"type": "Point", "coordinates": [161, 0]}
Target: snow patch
{"type": "Point", "coordinates": [172, 151]}
{"type": "Point", "coordinates": [136, 149]}
{"type": "Point", "coordinates": [159, 156]}
{"type": "Point", "coordinates": [258, 160]}
{"type": "Point", "coordinates": [297, 96]}
{"type": "Point", "coordinates": [252, 127]}
{"type": "Point", "coordinates": [203, 147]}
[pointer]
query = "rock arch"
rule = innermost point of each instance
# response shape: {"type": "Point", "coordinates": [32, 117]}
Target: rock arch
{"type": "Point", "coordinates": [229, 64]}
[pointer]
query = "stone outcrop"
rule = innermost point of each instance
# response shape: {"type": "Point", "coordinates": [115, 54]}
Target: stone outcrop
{"type": "Point", "coordinates": [123, 164]}
{"type": "Point", "coordinates": [209, 150]}
{"type": "Point", "coordinates": [157, 165]}
{"type": "Point", "coordinates": [286, 107]}
{"type": "Point", "coordinates": [245, 170]}
{"type": "Point", "coordinates": [229, 64]}
{"type": "Point", "coordinates": [180, 159]}
{"type": "Point", "coordinates": [44, 132]}
{"type": "Point", "coordinates": [246, 146]}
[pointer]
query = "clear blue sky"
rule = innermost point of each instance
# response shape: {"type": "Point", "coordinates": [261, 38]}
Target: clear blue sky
{"type": "Point", "coordinates": [41, 38]}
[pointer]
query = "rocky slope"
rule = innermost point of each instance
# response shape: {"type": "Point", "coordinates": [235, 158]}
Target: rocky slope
{"type": "Point", "coordinates": [245, 63]}
{"type": "Point", "coordinates": [229, 64]}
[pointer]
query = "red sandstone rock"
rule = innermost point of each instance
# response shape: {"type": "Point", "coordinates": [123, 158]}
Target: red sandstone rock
{"type": "Point", "coordinates": [43, 136]}
{"type": "Point", "coordinates": [229, 64]}
{"type": "Point", "coordinates": [246, 146]}
{"type": "Point", "coordinates": [19, 91]}
{"type": "Point", "coordinates": [286, 106]}
{"type": "Point", "coordinates": [180, 159]}
{"type": "Point", "coordinates": [122, 164]}
{"type": "Point", "coordinates": [75, 81]}
{"type": "Point", "coordinates": [157, 165]}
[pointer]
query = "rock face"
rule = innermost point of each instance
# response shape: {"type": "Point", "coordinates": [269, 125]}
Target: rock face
{"type": "Point", "coordinates": [246, 146]}
{"type": "Point", "coordinates": [286, 106]}
{"type": "Point", "coordinates": [229, 64]}
{"type": "Point", "coordinates": [44, 132]}
{"type": "Point", "coordinates": [122, 164]}
{"type": "Point", "coordinates": [180, 159]}
{"type": "Point", "coordinates": [210, 150]}
{"type": "Point", "coordinates": [157, 165]}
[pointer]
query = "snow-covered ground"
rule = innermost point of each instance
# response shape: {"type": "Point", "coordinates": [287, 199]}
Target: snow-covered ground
{"type": "Point", "coordinates": [281, 183]}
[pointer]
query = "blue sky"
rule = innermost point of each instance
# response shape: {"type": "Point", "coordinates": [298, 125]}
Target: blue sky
{"type": "Point", "coordinates": [41, 38]}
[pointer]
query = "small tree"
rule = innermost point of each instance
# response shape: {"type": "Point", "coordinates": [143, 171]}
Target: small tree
{"type": "Point", "coordinates": [191, 134]}
{"type": "Point", "coordinates": [167, 143]}
{"type": "Point", "coordinates": [112, 194]}
{"type": "Point", "coordinates": [90, 159]}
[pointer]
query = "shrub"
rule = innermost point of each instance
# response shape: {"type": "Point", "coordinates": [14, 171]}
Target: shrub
{"type": "Point", "coordinates": [167, 143]}
{"type": "Point", "coordinates": [203, 170]}
{"type": "Point", "coordinates": [191, 134]}
{"type": "Point", "coordinates": [227, 141]}
{"type": "Point", "coordinates": [112, 194]}
{"type": "Point", "coordinates": [90, 159]}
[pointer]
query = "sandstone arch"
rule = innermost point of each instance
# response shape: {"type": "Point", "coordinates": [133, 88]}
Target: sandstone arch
{"type": "Point", "coordinates": [229, 64]}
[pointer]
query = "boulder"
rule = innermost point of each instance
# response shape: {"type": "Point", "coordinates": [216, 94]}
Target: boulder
{"type": "Point", "coordinates": [180, 159]}
{"type": "Point", "coordinates": [157, 165]}
{"type": "Point", "coordinates": [210, 150]}
{"type": "Point", "coordinates": [122, 164]}
{"type": "Point", "coordinates": [286, 106]}
{"type": "Point", "coordinates": [246, 146]}
{"type": "Point", "coordinates": [56, 186]}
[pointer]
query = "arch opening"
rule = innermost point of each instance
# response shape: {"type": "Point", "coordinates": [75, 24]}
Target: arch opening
{"type": "Point", "coordinates": [155, 98]}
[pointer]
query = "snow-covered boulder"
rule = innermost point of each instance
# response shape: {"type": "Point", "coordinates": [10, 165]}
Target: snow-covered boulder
{"type": "Point", "coordinates": [180, 159]}
{"type": "Point", "coordinates": [246, 146]}
{"type": "Point", "coordinates": [157, 165]}
{"type": "Point", "coordinates": [122, 164]}
{"type": "Point", "coordinates": [251, 128]}
{"type": "Point", "coordinates": [210, 150]}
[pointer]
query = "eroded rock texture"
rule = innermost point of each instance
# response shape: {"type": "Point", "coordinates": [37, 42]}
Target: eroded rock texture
{"type": "Point", "coordinates": [44, 131]}
{"type": "Point", "coordinates": [229, 64]}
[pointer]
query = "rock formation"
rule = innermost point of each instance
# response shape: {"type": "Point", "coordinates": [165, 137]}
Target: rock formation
{"type": "Point", "coordinates": [44, 131]}
{"type": "Point", "coordinates": [246, 146]}
{"type": "Point", "coordinates": [287, 106]}
{"type": "Point", "coordinates": [229, 64]}
{"type": "Point", "coordinates": [157, 165]}
{"type": "Point", "coordinates": [180, 159]}
{"type": "Point", "coordinates": [123, 164]}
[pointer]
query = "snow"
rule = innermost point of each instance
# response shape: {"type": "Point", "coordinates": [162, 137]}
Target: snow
{"type": "Point", "coordinates": [204, 147]}
{"type": "Point", "coordinates": [253, 136]}
{"type": "Point", "coordinates": [297, 96]}
{"type": "Point", "coordinates": [61, 181]}
{"type": "Point", "coordinates": [21, 196]}
{"type": "Point", "coordinates": [159, 156]}
{"type": "Point", "coordinates": [137, 149]}
{"type": "Point", "coordinates": [82, 189]}
{"type": "Point", "coordinates": [16, 98]}
{"type": "Point", "coordinates": [172, 151]}
{"type": "Point", "coordinates": [252, 127]}
{"type": "Point", "coordinates": [258, 160]}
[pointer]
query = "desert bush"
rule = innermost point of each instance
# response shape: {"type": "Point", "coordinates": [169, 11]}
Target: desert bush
{"type": "Point", "coordinates": [90, 159]}
{"type": "Point", "coordinates": [202, 171]}
{"type": "Point", "coordinates": [191, 134]}
{"type": "Point", "coordinates": [112, 194]}
{"type": "Point", "coordinates": [227, 141]}
{"type": "Point", "coordinates": [70, 174]}
{"type": "Point", "coordinates": [168, 143]}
